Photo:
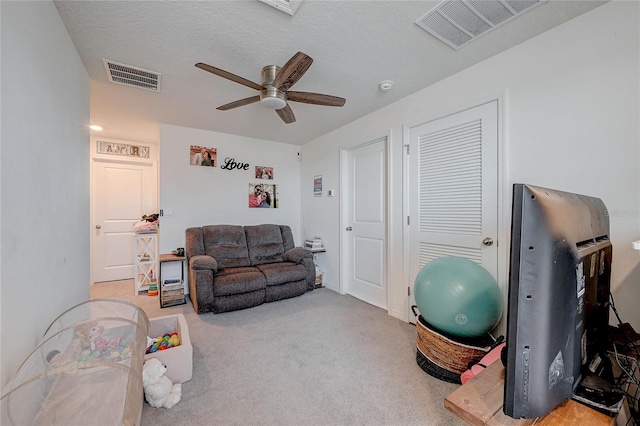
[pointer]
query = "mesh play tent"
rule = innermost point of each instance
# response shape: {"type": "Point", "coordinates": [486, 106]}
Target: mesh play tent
{"type": "Point", "coordinates": [86, 370]}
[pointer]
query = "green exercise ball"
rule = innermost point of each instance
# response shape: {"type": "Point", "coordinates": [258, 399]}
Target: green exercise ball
{"type": "Point", "coordinates": [458, 297]}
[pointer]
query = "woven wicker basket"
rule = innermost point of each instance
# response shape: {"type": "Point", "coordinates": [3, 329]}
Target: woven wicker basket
{"type": "Point", "coordinates": [453, 355]}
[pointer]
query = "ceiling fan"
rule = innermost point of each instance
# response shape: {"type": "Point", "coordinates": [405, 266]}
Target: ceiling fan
{"type": "Point", "coordinates": [274, 90]}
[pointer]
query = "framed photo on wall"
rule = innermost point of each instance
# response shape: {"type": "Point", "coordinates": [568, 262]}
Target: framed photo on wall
{"type": "Point", "coordinates": [263, 172]}
{"type": "Point", "coordinates": [263, 195]}
{"type": "Point", "coordinates": [203, 156]}
{"type": "Point", "coordinates": [317, 186]}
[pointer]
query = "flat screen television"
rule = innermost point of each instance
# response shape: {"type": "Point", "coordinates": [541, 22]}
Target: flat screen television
{"type": "Point", "coordinates": [558, 303]}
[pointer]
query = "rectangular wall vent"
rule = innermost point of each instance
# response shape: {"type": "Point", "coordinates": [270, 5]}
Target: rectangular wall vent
{"type": "Point", "coordinates": [287, 6]}
{"type": "Point", "coordinates": [132, 76]}
{"type": "Point", "coordinates": [458, 22]}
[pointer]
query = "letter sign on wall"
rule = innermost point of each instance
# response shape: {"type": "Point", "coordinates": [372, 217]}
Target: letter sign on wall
{"type": "Point", "coordinates": [230, 164]}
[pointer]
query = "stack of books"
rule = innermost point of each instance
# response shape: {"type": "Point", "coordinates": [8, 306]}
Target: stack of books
{"type": "Point", "coordinates": [314, 244]}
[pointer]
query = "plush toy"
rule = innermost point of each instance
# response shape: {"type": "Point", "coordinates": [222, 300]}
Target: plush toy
{"type": "Point", "coordinates": [89, 333]}
{"type": "Point", "coordinates": [158, 389]}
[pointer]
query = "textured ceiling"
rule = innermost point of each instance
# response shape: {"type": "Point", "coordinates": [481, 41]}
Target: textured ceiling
{"type": "Point", "coordinates": [354, 44]}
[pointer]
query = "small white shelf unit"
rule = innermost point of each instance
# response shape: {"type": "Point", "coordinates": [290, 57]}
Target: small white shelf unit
{"type": "Point", "coordinates": [146, 260]}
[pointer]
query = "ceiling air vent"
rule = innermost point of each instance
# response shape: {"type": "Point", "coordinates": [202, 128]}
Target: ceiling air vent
{"type": "Point", "coordinates": [132, 76]}
{"type": "Point", "coordinates": [287, 6]}
{"type": "Point", "coordinates": [457, 22]}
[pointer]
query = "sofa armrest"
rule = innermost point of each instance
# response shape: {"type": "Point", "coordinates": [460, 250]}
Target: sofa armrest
{"type": "Point", "coordinates": [296, 255]}
{"type": "Point", "coordinates": [203, 262]}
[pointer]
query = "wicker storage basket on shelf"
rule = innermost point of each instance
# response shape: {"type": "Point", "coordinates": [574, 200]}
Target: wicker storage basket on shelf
{"type": "Point", "coordinates": [447, 357]}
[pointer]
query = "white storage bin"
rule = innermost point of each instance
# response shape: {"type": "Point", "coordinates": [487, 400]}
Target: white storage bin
{"type": "Point", "coordinates": [179, 359]}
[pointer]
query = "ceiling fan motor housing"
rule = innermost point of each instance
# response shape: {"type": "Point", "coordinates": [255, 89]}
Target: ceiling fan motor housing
{"type": "Point", "coordinates": [271, 97]}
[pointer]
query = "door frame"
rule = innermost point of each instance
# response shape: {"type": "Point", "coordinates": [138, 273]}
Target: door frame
{"type": "Point", "coordinates": [503, 197]}
{"type": "Point", "coordinates": [152, 161]}
{"type": "Point", "coordinates": [344, 209]}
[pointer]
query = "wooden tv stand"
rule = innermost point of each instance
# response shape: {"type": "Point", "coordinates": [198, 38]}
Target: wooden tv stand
{"type": "Point", "coordinates": [480, 400]}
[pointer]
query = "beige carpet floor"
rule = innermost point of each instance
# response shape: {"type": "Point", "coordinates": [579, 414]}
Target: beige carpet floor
{"type": "Point", "coordinates": [317, 359]}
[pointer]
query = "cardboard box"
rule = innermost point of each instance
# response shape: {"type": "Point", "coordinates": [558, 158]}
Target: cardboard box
{"type": "Point", "coordinates": [179, 359]}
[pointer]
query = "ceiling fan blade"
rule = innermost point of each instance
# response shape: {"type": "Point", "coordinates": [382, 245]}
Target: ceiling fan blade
{"type": "Point", "coordinates": [239, 103]}
{"type": "Point", "coordinates": [316, 99]}
{"type": "Point", "coordinates": [286, 114]}
{"type": "Point", "coordinates": [292, 71]}
{"type": "Point", "coordinates": [229, 76]}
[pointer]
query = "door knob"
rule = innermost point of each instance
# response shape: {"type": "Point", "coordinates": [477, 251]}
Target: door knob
{"type": "Point", "coordinates": [98, 227]}
{"type": "Point", "coordinates": [349, 228]}
{"type": "Point", "coordinates": [487, 242]}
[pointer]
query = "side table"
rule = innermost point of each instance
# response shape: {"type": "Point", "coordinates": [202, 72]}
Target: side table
{"type": "Point", "coordinates": [171, 289]}
{"type": "Point", "coordinates": [319, 273]}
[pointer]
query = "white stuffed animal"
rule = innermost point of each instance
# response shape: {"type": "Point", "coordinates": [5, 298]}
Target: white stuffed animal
{"type": "Point", "coordinates": [158, 389]}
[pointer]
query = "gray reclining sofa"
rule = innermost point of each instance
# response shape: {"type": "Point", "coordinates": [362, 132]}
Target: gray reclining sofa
{"type": "Point", "coordinates": [236, 267]}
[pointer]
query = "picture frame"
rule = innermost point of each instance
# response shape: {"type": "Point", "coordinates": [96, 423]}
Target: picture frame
{"type": "Point", "coordinates": [263, 195]}
{"type": "Point", "coordinates": [263, 172]}
{"type": "Point", "coordinates": [203, 156]}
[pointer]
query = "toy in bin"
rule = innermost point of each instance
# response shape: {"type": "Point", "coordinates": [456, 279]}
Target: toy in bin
{"type": "Point", "coordinates": [95, 344]}
{"type": "Point", "coordinates": [161, 343]}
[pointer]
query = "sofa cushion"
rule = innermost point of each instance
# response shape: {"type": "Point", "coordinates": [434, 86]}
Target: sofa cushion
{"type": "Point", "coordinates": [264, 243]}
{"type": "Point", "coordinates": [238, 301]}
{"type": "Point", "coordinates": [194, 243]}
{"type": "Point", "coordinates": [287, 237]}
{"type": "Point", "coordinates": [227, 243]}
{"type": "Point", "coordinates": [283, 272]}
{"type": "Point", "coordinates": [238, 280]}
{"type": "Point", "coordinates": [279, 292]}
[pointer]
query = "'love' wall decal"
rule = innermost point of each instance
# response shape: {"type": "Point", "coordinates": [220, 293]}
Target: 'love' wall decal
{"type": "Point", "coordinates": [230, 164]}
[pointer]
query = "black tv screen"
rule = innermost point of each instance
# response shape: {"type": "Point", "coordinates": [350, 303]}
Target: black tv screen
{"type": "Point", "coordinates": [558, 303]}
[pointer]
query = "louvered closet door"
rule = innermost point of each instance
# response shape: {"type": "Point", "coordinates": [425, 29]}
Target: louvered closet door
{"type": "Point", "coordinates": [453, 185]}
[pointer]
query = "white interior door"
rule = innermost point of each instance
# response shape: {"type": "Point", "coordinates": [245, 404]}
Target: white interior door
{"type": "Point", "coordinates": [365, 229]}
{"type": "Point", "coordinates": [122, 192]}
{"type": "Point", "coordinates": [453, 190]}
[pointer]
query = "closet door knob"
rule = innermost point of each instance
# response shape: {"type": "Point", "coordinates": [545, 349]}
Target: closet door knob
{"type": "Point", "coordinates": [487, 242]}
{"type": "Point", "coordinates": [98, 227]}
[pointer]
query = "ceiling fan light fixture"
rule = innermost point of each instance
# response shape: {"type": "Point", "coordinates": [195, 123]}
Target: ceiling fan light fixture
{"type": "Point", "coordinates": [273, 98]}
{"type": "Point", "coordinates": [273, 103]}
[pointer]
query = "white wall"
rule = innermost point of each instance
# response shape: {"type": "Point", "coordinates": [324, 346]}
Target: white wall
{"type": "Point", "coordinates": [570, 122]}
{"type": "Point", "coordinates": [200, 196]}
{"type": "Point", "coordinates": [45, 177]}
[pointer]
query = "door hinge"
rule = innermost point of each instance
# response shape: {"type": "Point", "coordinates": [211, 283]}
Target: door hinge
{"type": "Point", "coordinates": [408, 291]}
{"type": "Point", "coordinates": [407, 145]}
{"type": "Point", "coordinates": [408, 220]}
